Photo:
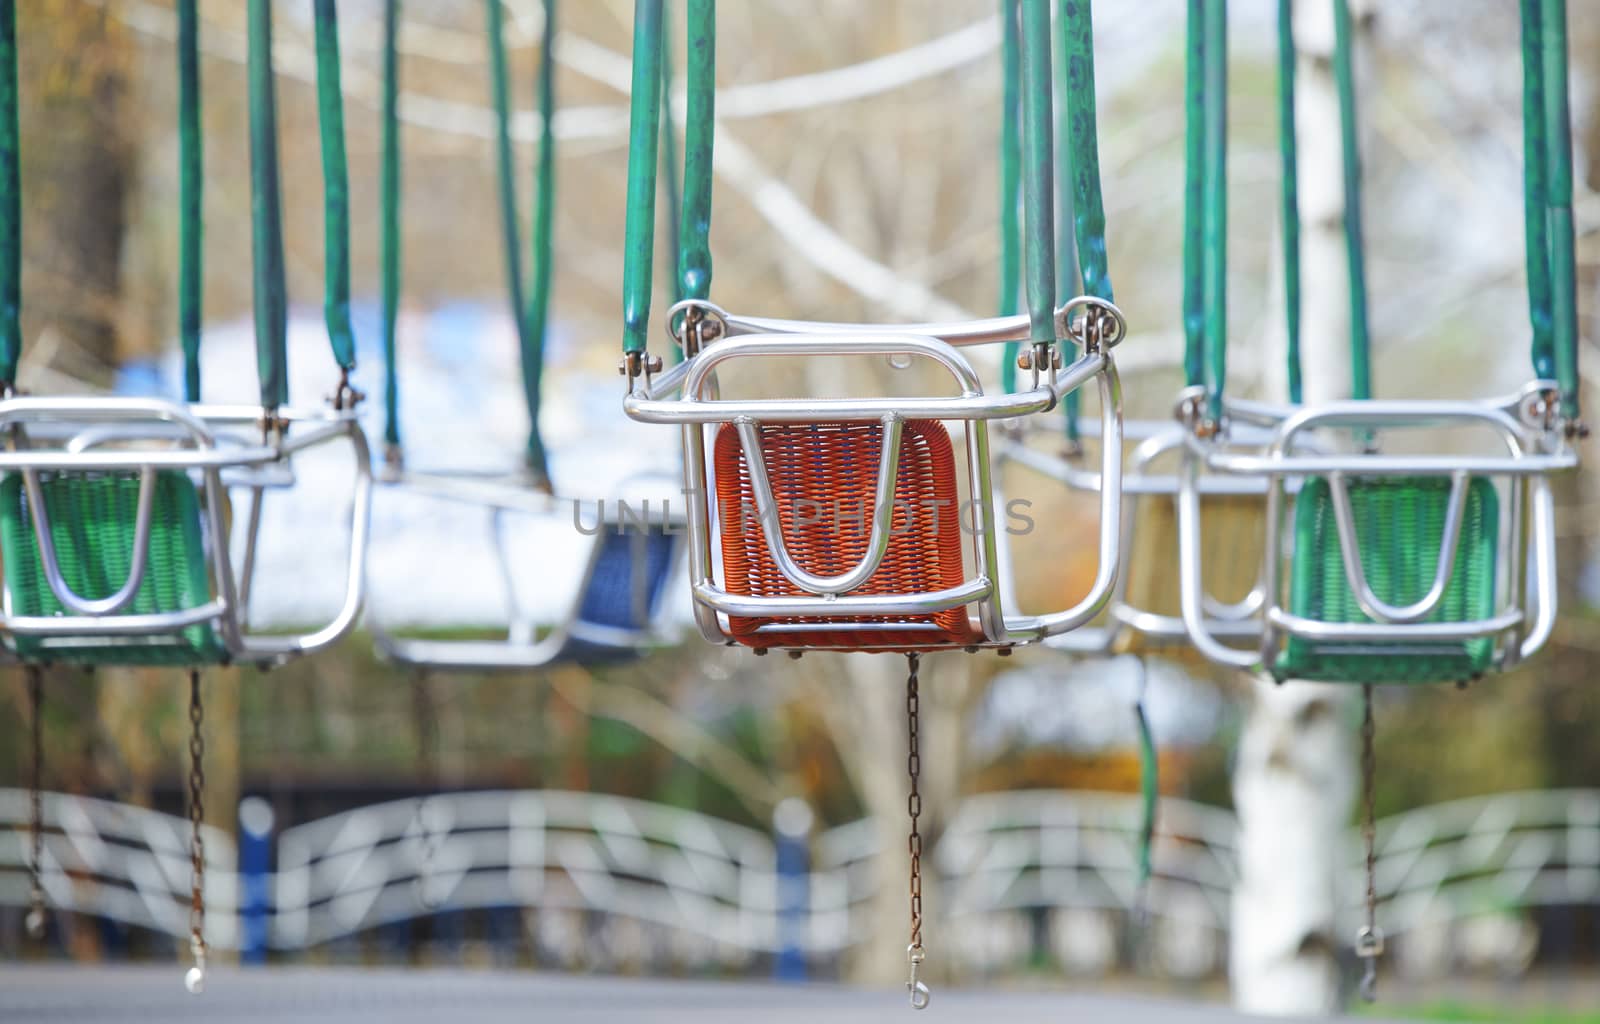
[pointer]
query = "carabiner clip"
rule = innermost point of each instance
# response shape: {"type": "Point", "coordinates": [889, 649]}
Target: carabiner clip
{"type": "Point", "coordinates": [920, 995]}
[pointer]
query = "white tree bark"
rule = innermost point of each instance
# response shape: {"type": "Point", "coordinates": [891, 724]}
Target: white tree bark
{"type": "Point", "coordinates": [1293, 781]}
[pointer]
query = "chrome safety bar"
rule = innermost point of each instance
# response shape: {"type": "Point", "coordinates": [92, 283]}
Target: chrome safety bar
{"type": "Point", "coordinates": [828, 599]}
{"type": "Point", "coordinates": [198, 438]}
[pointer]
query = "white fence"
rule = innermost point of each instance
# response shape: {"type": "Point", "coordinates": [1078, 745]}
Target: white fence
{"type": "Point", "coordinates": [1003, 860]}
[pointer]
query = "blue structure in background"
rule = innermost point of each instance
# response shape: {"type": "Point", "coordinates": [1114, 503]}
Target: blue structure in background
{"type": "Point", "coordinates": [255, 878]}
{"type": "Point", "coordinates": [792, 822]}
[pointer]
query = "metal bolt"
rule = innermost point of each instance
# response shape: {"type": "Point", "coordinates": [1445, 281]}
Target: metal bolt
{"type": "Point", "coordinates": [1025, 360]}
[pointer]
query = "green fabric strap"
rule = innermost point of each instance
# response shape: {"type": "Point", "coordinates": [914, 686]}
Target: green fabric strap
{"type": "Point", "coordinates": [10, 201]}
{"type": "Point", "coordinates": [644, 127]}
{"type": "Point", "coordinates": [1088, 208]}
{"type": "Point", "coordinates": [1038, 170]}
{"type": "Point", "coordinates": [389, 230]}
{"type": "Point", "coordinates": [1149, 791]}
{"type": "Point", "coordinates": [1558, 141]}
{"type": "Point", "coordinates": [1069, 282]}
{"type": "Point", "coordinates": [271, 298]}
{"type": "Point", "coordinates": [1344, 77]}
{"type": "Point", "coordinates": [694, 239]}
{"type": "Point", "coordinates": [335, 187]}
{"type": "Point", "coordinates": [1194, 140]}
{"type": "Point", "coordinates": [669, 162]}
{"type": "Point", "coordinates": [1291, 196]}
{"type": "Point", "coordinates": [1535, 184]}
{"type": "Point", "coordinates": [1214, 221]}
{"type": "Point", "coordinates": [544, 210]}
{"type": "Point", "coordinates": [191, 197]}
{"type": "Point", "coordinates": [1010, 183]}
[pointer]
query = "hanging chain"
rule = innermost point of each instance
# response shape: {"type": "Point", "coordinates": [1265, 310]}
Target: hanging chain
{"type": "Point", "coordinates": [35, 919]}
{"type": "Point", "coordinates": [914, 954]}
{"type": "Point", "coordinates": [1369, 940]}
{"type": "Point", "coordinates": [195, 979]}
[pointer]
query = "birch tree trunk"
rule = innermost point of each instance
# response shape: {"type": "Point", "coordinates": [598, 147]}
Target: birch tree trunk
{"type": "Point", "coordinates": [1293, 782]}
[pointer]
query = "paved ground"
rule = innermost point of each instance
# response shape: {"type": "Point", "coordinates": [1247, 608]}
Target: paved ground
{"type": "Point", "coordinates": [63, 994]}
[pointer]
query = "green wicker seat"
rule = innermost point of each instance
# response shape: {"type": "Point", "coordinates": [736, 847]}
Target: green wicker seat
{"type": "Point", "coordinates": [92, 526]}
{"type": "Point", "coordinates": [1400, 521]}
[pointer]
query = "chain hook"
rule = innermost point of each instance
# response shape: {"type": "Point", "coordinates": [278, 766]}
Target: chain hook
{"type": "Point", "coordinates": [920, 994]}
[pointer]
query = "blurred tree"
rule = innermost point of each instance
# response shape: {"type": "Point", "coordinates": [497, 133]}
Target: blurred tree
{"type": "Point", "coordinates": [79, 142]}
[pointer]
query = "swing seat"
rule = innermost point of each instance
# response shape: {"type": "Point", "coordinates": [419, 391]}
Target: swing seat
{"type": "Point", "coordinates": [615, 615]}
{"type": "Point", "coordinates": [91, 519]}
{"type": "Point", "coordinates": [823, 477]}
{"type": "Point", "coordinates": [1233, 523]}
{"type": "Point", "coordinates": [1400, 523]}
{"type": "Point", "coordinates": [622, 596]}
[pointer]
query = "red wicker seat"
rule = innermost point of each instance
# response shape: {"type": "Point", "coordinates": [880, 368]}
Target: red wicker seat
{"type": "Point", "coordinates": [824, 477]}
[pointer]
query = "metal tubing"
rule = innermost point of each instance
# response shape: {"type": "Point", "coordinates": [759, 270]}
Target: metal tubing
{"type": "Point", "coordinates": [43, 534]}
{"type": "Point", "coordinates": [1382, 632]}
{"type": "Point", "coordinates": [1109, 568]}
{"type": "Point", "coordinates": [831, 607]}
{"type": "Point", "coordinates": [1356, 574]}
{"type": "Point", "coordinates": [1190, 578]}
{"type": "Point", "coordinates": [959, 332]}
{"type": "Point", "coordinates": [771, 528]}
{"type": "Point", "coordinates": [1543, 566]}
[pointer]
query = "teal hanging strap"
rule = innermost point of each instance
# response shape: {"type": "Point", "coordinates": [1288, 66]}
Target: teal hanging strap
{"type": "Point", "coordinates": [1194, 154]}
{"type": "Point", "coordinates": [191, 189]}
{"type": "Point", "coordinates": [1088, 208]}
{"type": "Point", "coordinates": [1535, 185]}
{"type": "Point", "coordinates": [643, 136]}
{"type": "Point", "coordinates": [669, 158]}
{"type": "Point", "coordinates": [1069, 282]}
{"type": "Point", "coordinates": [1038, 172]}
{"type": "Point", "coordinates": [389, 232]}
{"type": "Point", "coordinates": [544, 209]}
{"type": "Point", "coordinates": [271, 299]}
{"type": "Point", "coordinates": [1563, 264]}
{"type": "Point", "coordinates": [1010, 181]}
{"type": "Point", "coordinates": [1344, 77]}
{"type": "Point", "coordinates": [1290, 213]}
{"type": "Point", "coordinates": [699, 137]}
{"type": "Point", "coordinates": [335, 188]}
{"type": "Point", "coordinates": [10, 202]}
{"type": "Point", "coordinates": [1215, 216]}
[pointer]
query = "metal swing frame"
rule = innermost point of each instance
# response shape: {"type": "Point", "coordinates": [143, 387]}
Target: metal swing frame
{"type": "Point", "coordinates": [1531, 429]}
{"type": "Point", "coordinates": [1154, 441]}
{"type": "Point", "coordinates": [828, 602]}
{"type": "Point", "coordinates": [1535, 448]}
{"type": "Point", "coordinates": [227, 447]}
{"type": "Point", "coordinates": [522, 648]}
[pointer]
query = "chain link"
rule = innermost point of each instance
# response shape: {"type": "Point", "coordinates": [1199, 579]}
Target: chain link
{"type": "Point", "coordinates": [35, 919]}
{"type": "Point", "coordinates": [1369, 940]}
{"type": "Point", "coordinates": [195, 979]}
{"type": "Point", "coordinates": [914, 953]}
